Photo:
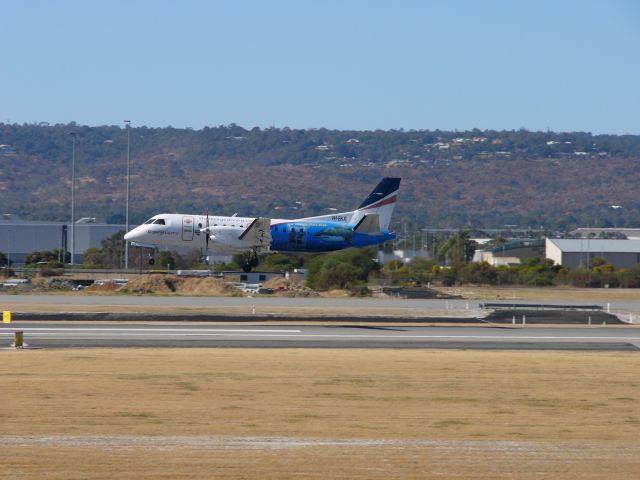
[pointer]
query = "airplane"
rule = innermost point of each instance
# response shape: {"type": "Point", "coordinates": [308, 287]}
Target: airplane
{"type": "Point", "coordinates": [365, 226]}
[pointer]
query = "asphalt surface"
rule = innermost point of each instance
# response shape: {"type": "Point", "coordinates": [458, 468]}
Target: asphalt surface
{"type": "Point", "coordinates": [77, 334]}
{"type": "Point", "coordinates": [204, 302]}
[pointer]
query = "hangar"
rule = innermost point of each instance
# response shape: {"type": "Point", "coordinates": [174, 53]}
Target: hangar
{"type": "Point", "coordinates": [580, 252]}
{"type": "Point", "coordinates": [19, 238]}
{"type": "Point", "coordinates": [512, 252]}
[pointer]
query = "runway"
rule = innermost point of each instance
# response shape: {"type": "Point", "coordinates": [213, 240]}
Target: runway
{"type": "Point", "coordinates": [78, 335]}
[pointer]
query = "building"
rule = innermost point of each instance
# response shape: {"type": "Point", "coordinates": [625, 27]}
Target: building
{"type": "Point", "coordinates": [251, 277]}
{"type": "Point", "coordinates": [404, 256]}
{"type": "Point", "coordinates": [630, 233]}
{"type": "Point", "coordinates": [580, 252]}
{"type": "Point", "coordinates": [511, 252]}
{"type": "Point", "coordinates": [19, 238]}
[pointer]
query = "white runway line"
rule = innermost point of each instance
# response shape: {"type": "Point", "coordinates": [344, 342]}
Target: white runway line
{"type": "Point", "coordinates": [185, 332]}
{"type": "Point", "coordinates": [193, 330]}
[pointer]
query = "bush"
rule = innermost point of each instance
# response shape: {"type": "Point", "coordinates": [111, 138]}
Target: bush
{"type": "Point", "coordinates": [280, 262]}
{"type": "Point", "coordinates": [342, 269]}
{"type": "Point", "coordinates": [50, 272]}
{"type": "Point", "coordinates": [360, 290]}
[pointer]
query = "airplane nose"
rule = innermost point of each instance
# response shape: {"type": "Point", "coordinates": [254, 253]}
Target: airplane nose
{"type": "Point", "coordinates": [129, 236]}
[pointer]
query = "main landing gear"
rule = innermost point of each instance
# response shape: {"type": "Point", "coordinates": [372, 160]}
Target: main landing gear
{"type": "Point", "coordinates": [250, 261]}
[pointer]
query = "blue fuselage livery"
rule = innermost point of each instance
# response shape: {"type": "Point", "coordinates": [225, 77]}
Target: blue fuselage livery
{"type": "Point", "coordinates": [321, 237]}
{"type": "Point", "coordinates": [365, 226]}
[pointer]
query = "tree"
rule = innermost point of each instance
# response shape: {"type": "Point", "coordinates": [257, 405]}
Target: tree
{"type": "Point", "coordinates": [51, 257]}
{"type": "Point", "coordinates": [280, 262]}
{"type": "Point", "coordinates": [478, 272]}
{"type": "Point", "coordinates": [538, 271]}
{"type": "Point", "coordinates": [165, 259]}
{"type": "Point", "coordinates": [458, 249]}
{"type": "Point", "coordinates": [346, 269]}
{"type": "Point", "coordinates": [191, 259]}
{"type": "Point", "coordinates": [3, 260]}
{"type": "Point", "coordinates": [110, 253]}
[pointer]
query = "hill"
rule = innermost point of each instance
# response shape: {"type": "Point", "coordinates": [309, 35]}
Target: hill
{"type": "Point", "coordinates": [450, 179]}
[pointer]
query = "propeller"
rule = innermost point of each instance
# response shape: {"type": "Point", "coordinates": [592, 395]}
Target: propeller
{"type": "Point", "coordinates": [206, 237]}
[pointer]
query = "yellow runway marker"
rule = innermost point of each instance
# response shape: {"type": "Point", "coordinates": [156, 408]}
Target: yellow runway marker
{"type": "Point", "coordinates": [6, 316]}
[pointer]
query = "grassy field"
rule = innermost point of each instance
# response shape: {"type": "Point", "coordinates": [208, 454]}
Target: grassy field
{"type": "Point", "coordinates": [545, 294]}
{"type": "Point", "coordinates": [245, 413]}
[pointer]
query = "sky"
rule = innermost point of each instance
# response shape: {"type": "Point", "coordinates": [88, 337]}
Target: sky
{"type": "Point", "coordinates": [564, 65]}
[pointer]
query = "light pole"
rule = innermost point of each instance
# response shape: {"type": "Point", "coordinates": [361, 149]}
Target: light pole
{"type": "Point", "coordinates": [126, 244]}
{"type": "Point", "coordinates": [73, 196]}
{"type": "Point", "coordinates": [8, 249]}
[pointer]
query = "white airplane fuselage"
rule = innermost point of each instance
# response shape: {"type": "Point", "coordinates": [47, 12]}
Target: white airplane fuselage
{"type": "Point", "coordinates": [367, 225]}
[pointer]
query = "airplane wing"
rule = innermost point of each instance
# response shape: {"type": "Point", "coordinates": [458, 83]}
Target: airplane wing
{"type": "Point", "coordinates": [259, 233]}
{"type": "Point", "coordinates": [369, 224]}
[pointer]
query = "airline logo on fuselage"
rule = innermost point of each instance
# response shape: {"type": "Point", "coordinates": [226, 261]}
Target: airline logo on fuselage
{"type": "Point", "coordinates": [162, 232]}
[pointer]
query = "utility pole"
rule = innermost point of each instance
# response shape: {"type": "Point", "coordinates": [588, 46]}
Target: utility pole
{"type": "Point", "coordinates": [126, 244]}
{"type": "Point", "coordinates": [73, 196]}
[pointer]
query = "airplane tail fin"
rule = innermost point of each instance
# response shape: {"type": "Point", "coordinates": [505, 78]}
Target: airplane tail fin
{"type": "Point", "coordinates": [380, 202]}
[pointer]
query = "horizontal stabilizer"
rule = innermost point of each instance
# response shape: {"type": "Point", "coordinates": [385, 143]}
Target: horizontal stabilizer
{"type": "Point", "coordinates": [258, 233]}
{"type": "Point", "coordinates": [369, 224]}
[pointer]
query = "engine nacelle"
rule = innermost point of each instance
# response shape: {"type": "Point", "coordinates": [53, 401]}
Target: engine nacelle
{"type": "Point", "coordinates": [228, 237]}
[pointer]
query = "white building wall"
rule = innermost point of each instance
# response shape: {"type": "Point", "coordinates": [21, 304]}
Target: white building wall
{"type": "Point", "coordinates": [552, 251]}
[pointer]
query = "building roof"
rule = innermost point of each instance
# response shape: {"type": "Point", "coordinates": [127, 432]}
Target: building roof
{"type": "Point", "coordinates": [596, 245]}
{"type": "Point", "coordinates": [631, 233]}
{"type": "Point", "coordinates": [515, 244]}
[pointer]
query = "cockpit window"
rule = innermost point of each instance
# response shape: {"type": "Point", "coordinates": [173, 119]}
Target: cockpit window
{"type": "Point", "coordinates": [149, 221]}
{"type": "Point", "coordinates": [159, 221]}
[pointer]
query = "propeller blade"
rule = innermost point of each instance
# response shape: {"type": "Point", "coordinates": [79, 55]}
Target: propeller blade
{"type": "Point", "coordinates": [206, 238]}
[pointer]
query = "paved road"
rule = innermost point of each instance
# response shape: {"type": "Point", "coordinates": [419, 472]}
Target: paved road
{"type": "Point", "coordinates": [201, 301]}
{"type": "Point", "coordinates": [303, 336]}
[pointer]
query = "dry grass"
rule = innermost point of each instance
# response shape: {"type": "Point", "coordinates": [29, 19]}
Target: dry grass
{"type": "Point", "coordinates": [571, 415]}
{"type": "Point", "coordinates": [549, 294]}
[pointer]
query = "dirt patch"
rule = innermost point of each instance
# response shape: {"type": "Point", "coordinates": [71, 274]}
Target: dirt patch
{"type": "Point", "coordinates": [103, 288]}
{"type": "Point", "coordinates": [336, 293]}
{"type": "Point", "coordinates": [277, 283]}
{"type": "Point", "coordinates": [168, 284]}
